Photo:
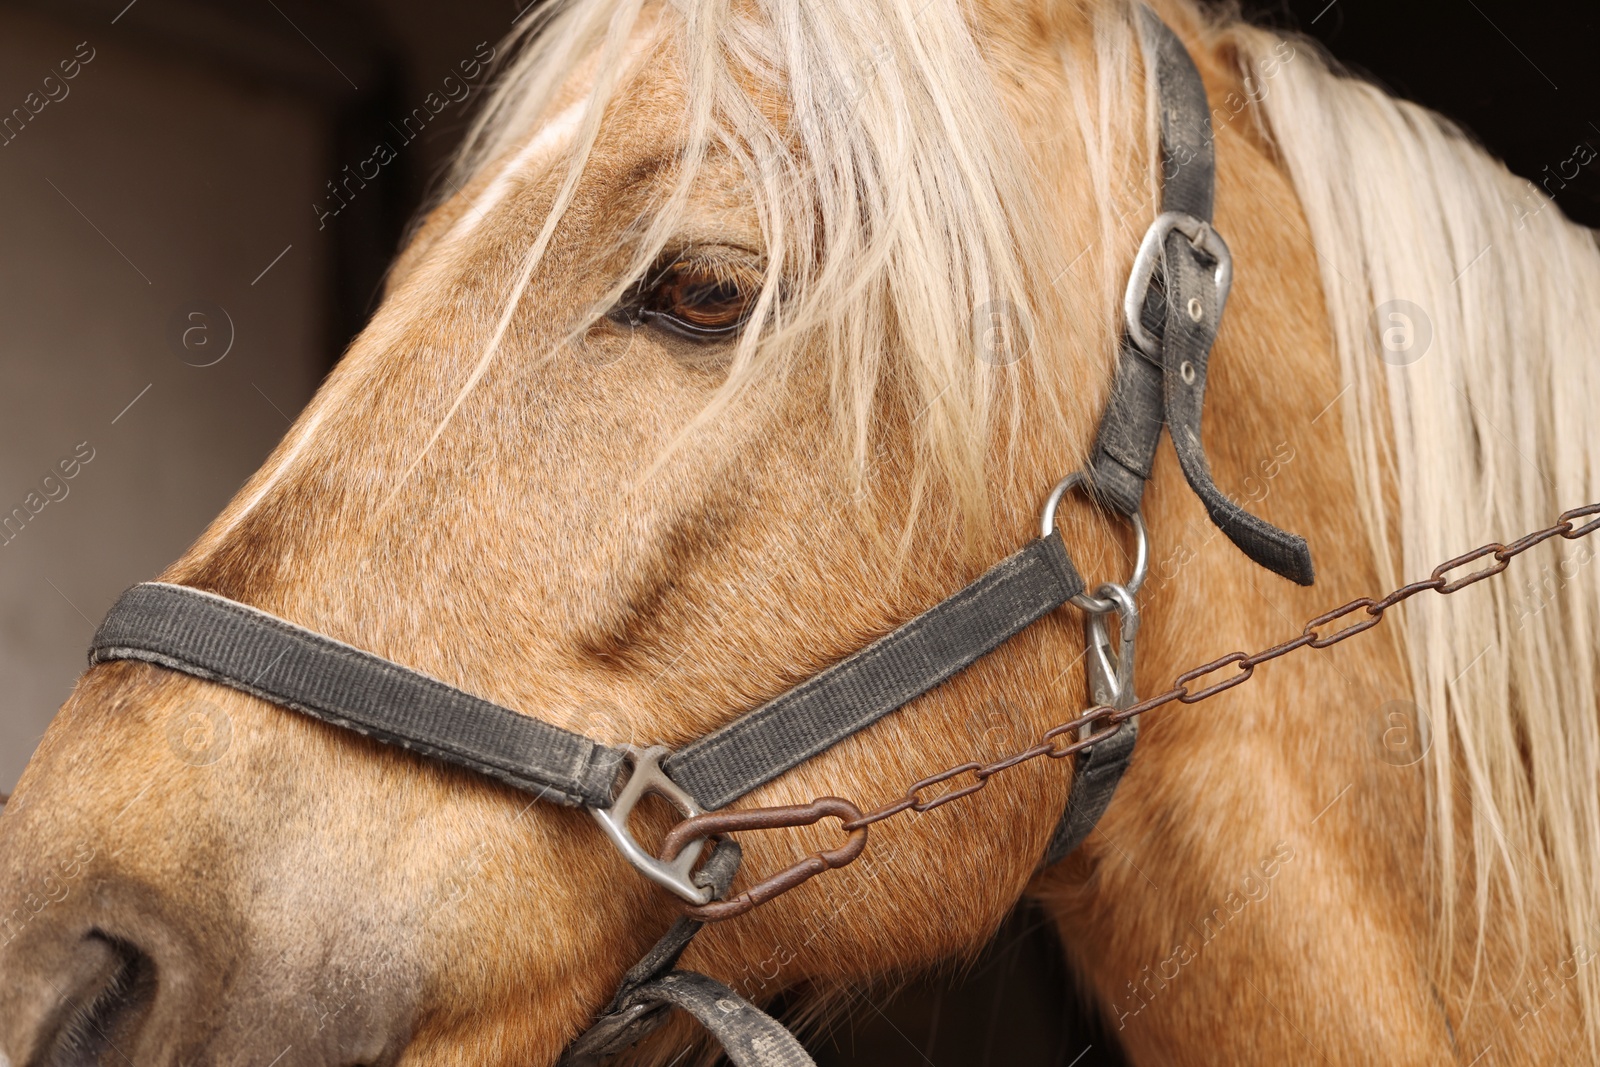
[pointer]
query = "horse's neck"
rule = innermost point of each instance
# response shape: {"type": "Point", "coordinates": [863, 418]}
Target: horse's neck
{"type": "Point", "coordinates": [1464, 309]}
{"type": "Point", "coordinates": [1390, 459]}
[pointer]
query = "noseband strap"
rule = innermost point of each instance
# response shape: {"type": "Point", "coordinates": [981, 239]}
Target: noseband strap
{"type": "Point", "coordinates": [214, 638]}
{"type": "Point", "coordinates": [217, 639]}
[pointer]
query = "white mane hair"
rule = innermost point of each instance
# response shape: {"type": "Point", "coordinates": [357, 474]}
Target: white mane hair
{"type": "Point", "coordinates": [1489, 433]}
{"type": "Point", "coordinates": [898, 200]}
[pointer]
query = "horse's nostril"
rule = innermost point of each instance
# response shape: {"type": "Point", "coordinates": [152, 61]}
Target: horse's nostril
{"type": "Point", "coordinates": [98, 1020]}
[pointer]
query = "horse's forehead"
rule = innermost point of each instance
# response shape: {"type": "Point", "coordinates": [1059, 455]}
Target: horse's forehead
{"type": "Point", "coordinates": [635, 154]}
{"type": "Point", "coordinates": [538, 155]}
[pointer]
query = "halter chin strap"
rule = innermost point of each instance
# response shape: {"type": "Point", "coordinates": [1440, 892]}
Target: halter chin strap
{"type": "Point", "coordinates": [1174, 306]}
{"type": "Point", "coordinates": [749, 1036]}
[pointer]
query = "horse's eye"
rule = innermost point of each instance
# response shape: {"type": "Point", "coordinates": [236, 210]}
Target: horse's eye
{"type": "Point", "coordinates": [702, 300]}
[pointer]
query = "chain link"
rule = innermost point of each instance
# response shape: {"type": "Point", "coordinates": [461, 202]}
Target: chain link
{"type": "Point", "coordinates": [968, 778]}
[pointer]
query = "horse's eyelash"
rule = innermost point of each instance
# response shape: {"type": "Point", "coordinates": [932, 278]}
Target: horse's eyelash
{"type": "Point", "coordinates": [723, 267]}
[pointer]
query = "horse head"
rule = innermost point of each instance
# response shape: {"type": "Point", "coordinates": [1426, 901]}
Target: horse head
{"type": "Point", "coordinates": [744, 333]}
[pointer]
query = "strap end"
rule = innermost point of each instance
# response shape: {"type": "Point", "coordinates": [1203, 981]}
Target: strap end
{"type": "Point", "coordinates": [1279, 551]}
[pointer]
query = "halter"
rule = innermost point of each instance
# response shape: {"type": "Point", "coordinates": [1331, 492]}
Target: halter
{"type": "Point", "coordinates": [1172, 310]}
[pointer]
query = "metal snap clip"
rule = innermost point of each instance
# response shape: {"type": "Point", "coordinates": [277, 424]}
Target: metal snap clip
{"type": "Point", "coordinates": [1110, 669]}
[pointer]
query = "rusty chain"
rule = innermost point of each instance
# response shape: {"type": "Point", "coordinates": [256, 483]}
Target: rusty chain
{"type": "Point", "coordinates": [1104, 719]}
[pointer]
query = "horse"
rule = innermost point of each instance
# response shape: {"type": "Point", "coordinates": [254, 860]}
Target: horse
{"type": "Point", "coordinates": [687, 387]}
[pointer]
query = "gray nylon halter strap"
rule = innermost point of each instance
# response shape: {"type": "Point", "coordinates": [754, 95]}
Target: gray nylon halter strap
{"type": "Point", "coordinates": [749, 1036]}
{"type": "Point", "coordinates": [211, 637]}
{"type": "Point", "coordinates": [1166, 386]}
{"type": "Point", "coordinates": [653, 986]}
{"type": "Point", "coordinates": [1136, 411]}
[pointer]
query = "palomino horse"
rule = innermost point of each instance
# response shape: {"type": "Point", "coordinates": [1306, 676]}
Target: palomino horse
{"type": "Point", "coordinates": [679, 398]}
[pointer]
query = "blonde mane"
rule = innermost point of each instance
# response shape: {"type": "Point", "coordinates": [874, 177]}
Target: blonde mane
{"type": "Point", "coordinates": [1484, 432]}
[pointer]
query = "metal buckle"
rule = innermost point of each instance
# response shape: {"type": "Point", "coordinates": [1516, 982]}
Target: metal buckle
{"type": "Point", "coordinates": [1203, 237]}
{"type": "Point", "coordinates": [1111, 676]}
{"type": "Point", "coordinates": [1141, 550]}
{"type": "Point", "coordinates": [646, 776]}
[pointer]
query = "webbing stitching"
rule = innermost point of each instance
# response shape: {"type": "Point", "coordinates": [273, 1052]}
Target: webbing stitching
{"type": "Point", "coordinates": [583, 767]}
{"type": "Point", "coordinates": [1018, 565]}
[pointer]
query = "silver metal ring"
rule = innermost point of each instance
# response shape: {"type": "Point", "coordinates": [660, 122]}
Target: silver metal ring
{"type": "Point", "coordinates": [1141, 551]}
{"type": "Point", "coordinates": [1047, 521]}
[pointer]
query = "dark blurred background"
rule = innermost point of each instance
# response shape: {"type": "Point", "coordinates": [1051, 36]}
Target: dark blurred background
{"type": "Point", "coordinates": [177, 273]}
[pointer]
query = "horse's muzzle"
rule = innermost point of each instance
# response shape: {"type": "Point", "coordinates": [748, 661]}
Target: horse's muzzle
{"type": "Point", "coordinates": [104, 977]}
